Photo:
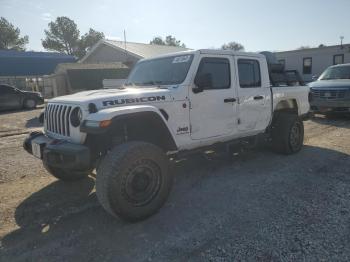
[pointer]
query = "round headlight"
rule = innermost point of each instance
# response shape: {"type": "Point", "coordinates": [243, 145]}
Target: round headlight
{"type": "Point", "coordinates": [76, 116]}
{"type": "Point", "coordinates": [92, 108]}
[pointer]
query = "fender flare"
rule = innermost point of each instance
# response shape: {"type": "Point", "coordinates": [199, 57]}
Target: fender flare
{"type": "Point", "coordinates": [117, 114]}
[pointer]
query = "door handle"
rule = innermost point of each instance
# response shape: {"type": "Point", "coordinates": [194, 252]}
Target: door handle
{"type": "Point", "coordinates": [230, 100]}
{"type": "Point", "coordinates": [258, 97]}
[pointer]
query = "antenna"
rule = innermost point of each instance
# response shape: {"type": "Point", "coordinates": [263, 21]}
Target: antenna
{"type": "Point", "coordinates": [127, 62]}
{"type": "Point", "coordinates": [341, 41]}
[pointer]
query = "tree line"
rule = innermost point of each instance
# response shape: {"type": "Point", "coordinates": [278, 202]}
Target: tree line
{"type": "Point", "coordinates": [63, 35]}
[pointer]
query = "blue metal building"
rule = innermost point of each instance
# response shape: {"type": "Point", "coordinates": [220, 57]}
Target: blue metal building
{"type": "Point", "coordinates": [19, 63]}
{"type": "Point", "coordinates": [25, 70]}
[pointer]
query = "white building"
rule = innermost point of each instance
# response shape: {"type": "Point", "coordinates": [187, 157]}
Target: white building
{"type": "Point", "coordinates": [128, 53]}
{"type": "Point", "coordinates": [313, 61]}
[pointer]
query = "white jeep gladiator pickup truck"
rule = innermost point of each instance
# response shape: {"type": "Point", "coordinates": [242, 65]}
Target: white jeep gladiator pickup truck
{"type": "Point", "coordinates": [171, 104]}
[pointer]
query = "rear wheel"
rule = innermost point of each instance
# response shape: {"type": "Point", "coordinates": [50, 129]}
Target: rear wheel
{"type": "Point", "coordinates": [287, 133]}
{"type": "Point", "coordinates": [30, 103]}
{"type": "Point", "coordinates": [65, 175]}
{"type": "Point", "coordinates": [133, 181]}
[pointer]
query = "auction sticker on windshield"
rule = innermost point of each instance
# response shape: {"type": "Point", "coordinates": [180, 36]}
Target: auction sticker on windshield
{"type": "Point", "coordinates": [181, 59]}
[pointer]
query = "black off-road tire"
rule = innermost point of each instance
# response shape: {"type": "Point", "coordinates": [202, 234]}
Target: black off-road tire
{"type": "Point", "coordinates": [287, 133]}
{"type": "Point", "coordinates": [133, 180]}
{"type": "Point", "coordinates": [67, 176]}
{"type": "Point", "coordinates": [29, 103]}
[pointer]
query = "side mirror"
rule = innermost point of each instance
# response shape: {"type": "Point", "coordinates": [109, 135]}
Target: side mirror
{"type": "Point", "coordinates": [202, 82]}
{"type": "Point", "coordinates": [314, 77]}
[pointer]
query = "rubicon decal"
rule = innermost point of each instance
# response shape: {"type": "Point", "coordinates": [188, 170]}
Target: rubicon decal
{"type": "Point", "coordinates": [123, 101]}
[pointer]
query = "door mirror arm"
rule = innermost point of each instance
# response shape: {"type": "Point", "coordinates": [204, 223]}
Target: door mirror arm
{"type": "Point", "coordinates": [197, 89]}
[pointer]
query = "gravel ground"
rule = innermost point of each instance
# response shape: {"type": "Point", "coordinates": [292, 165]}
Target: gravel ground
{"type": "Point", "coordinates": [259, 207]}
{"type": "Point", "coordinates": [14, 126]}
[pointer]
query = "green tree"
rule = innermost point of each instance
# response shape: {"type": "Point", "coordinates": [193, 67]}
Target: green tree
{"type": "Point", "coordinates": [10, 36]}
{"type": "Point", "coordinates": [88, 40]}
{"type": "Point", "coordinates": [157, 41]}
{"type": "Point", "coordinates": [233, 46]}
{"type": "Point", "coordinates": [63, 35]}
{"type": "Point", "coordinates": [169, 41]}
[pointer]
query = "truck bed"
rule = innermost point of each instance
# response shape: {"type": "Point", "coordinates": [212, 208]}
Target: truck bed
{"type": "Point", "coordinates": [299, 94]}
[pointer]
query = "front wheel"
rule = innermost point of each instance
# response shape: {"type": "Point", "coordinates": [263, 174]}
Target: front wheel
{"type": "Point", "coordinates": [30, 103]}
{"type": "Point", "coordinates": [133, 180]}
{"type": "Point", "coordinates": [287, 133]}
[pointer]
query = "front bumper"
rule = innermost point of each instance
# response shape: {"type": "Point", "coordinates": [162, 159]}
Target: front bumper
{"type": "Point", "coordinates": [59, 153]}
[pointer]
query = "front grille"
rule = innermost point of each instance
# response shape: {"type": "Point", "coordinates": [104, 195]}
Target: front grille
{"type": "Point", "coordinates": [57, 119]}
{"type": "Point", "coordinates": [329, 94]}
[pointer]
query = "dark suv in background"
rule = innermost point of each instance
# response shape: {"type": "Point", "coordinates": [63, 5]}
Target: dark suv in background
{"type": "Point", "coordinates": [13, 98]}
{"type": "Point", "coordinates": [331, 92]}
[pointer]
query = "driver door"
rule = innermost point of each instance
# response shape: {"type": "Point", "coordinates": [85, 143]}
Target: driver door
{"type": "Point", "coordinates": [9, 98]}
{"type": "Point", "coordinates": [213, 107]}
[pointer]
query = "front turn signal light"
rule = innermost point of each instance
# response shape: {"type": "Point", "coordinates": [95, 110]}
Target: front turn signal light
{"type": "Point", "coordinates": [105, 123]}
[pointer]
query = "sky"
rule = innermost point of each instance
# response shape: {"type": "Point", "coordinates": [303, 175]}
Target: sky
{"type": "Point", "coordinates": [274, 25]}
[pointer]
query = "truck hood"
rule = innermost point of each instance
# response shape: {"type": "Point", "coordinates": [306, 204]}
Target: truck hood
{"type": "Point", "coordinates": [331, 84]}
{"type": "Point", "coordinates": [104, 98]}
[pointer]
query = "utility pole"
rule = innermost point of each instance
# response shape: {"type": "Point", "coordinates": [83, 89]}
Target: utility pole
{"type": "Point", "coordinates": [126, 52]}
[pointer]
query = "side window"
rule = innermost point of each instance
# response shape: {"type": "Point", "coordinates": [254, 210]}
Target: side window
{"type": "Point", "coordinates": [249, 73]}
{"type": "Point", "coordinates": [307, 65]}
{"type": "Point", "coordinates": [218, 70]}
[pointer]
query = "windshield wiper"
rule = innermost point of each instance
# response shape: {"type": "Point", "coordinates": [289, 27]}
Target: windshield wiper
{"type": "Point", "coordinates": [157, 84]}
{"type": "Point", "coordinates": [151, 83]}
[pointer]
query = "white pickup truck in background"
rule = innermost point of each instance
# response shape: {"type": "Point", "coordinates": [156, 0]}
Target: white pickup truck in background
{"type": "Point", "coordinates": [172, 104]}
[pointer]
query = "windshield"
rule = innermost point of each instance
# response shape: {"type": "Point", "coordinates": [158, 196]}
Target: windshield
{"type": "Point", "coordinates": [340, 72]}
{"type": "Point", "coordinates": [161, 71]}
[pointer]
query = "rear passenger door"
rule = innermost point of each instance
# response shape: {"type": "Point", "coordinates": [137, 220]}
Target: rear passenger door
{"type": "Point", "coordinates": [253, 98]}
